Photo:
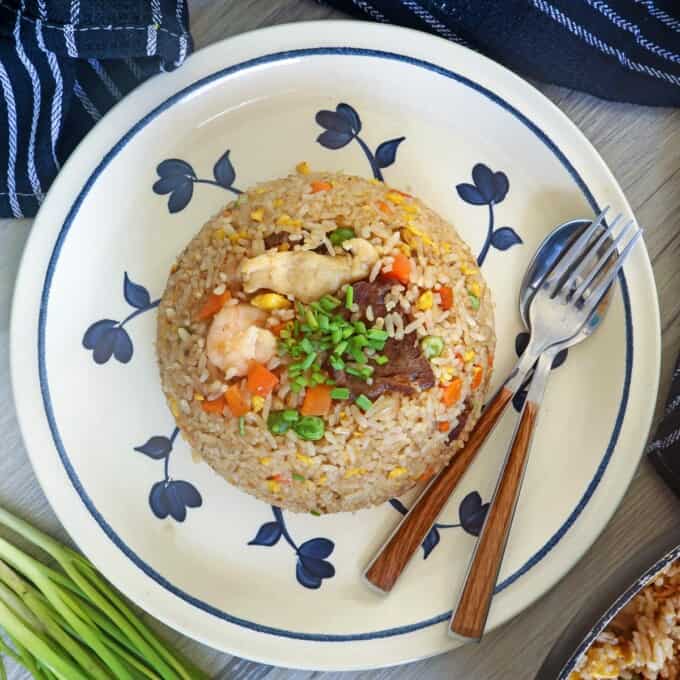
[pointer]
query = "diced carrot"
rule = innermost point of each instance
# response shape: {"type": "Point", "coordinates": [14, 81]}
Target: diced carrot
{"type": "Point", "coordinates": [426, 475]}
{"type": "Point", "coordinates": [279, 478]}
{"type": "Point", "coordinates": [317, 401]}
{"type": "Point", "coordinates": [213, 305]}
{"type": "Point", "coordinates": [401, 269]}
{"type": "Point", "coordinates": [384, 207]}
{"type": "Point", "coordinates": [489, 360]}
{"type": "Point", "coordinates": [318, 186]}
{"type": "Point", "coordinates": [452, 392]}
{"type": "Point", "coordinates": [214, 406]}
{"type": "Point", "coordinates": [276, 330]}
{"type": "Point", "coordinates": [477, 373]}
{"type": "Point", "coordinates": [446, 296]}
{"type": "Point", "coordinates": [444, 426]}
{"type": "Point", "coordinates": [236, 402]}
{"type": "Point", "coordinates": [261, 380]}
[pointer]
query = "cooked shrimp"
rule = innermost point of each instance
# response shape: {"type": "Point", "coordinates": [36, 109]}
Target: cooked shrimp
{"type": "Point", "coordinates": [236, 337]}
{"type": "Point", "coordinates": [306, 275]}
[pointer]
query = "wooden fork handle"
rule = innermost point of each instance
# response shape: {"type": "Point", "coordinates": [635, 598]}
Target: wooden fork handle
{"type": "Point", "coordinates": [470, 616]}
{"type": "Point", "coordinates": [389, 562]}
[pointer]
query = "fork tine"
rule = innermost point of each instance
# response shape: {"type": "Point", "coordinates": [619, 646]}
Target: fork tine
{"type": "Point", "coordinates": [590, 259]}
{"type": "Point", "coordinates": [602, 261]}
{"type": "Point", "coordinates": [596, 295]}
{"type": "Point", "coordinates": [572, 254]}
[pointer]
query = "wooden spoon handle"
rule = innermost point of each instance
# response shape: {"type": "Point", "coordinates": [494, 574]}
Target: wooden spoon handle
{"type": "Point", "coordinates": [469, 618]}
{"type": "Point", "coordinates": [389, 562]}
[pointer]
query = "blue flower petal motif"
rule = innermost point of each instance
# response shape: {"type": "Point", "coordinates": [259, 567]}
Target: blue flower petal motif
{"type": "Point", "coordinates": [431, 542]}
{"type": "Point", "coordinates": [169, 497]}
{"type": "Point", "coordinates": [311, 567]}
{"type": "Point", "coordinates": [343, 126]}
{"type": "Point", "coordinates": [108, 338]}
{"type": "Point", "coordinates": [472, 513]}
{"type": "Point", "coordinates": [177, 178]}
{"type": "Point", "coordinates": [521, 342]}
{"type": "Point", "coordinates": [489, 188]}
{"type": "Point", "coordinates": [268, 534]}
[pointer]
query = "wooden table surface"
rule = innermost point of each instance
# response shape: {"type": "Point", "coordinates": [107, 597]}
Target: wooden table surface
{"type": "Point", "coordinates": [642, 147]}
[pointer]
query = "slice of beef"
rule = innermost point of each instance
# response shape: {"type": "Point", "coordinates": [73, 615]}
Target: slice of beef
{"type": "Point", "coordinates": [462, 422]}
{"type": "Point", "coordinates": [372, 293]}
{"type": "Point", "coordinates": [407, 371]}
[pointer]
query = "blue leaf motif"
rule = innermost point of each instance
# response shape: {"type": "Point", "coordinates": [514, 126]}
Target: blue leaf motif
{"type": "Point", "coordinates": [176, 506]}
{"type": "Point", "coordinates": [316, 567]}
{"type": "Point", "coordinates": [386, 153]}
{"type": "Point", "coordinates": [331, 139]}
{"type": "Point", "coordinates": [504, 238]}
{"type": "Point", "coordinates": [305, 578]}
{"type": "Point", "coordinates": [335, 122]}
{"type": "Point", "coordinates": [103, 350]}
{"type": "Point", "coordinates": [519, 399]}
{"type": "Point", "coordinates": [122, 345]}
{"type": "Point", "coordinates": [470, 194]}
{"type": "Point", "coordinates": [501, 186]}
{"type": "Point", "coordinates": [350, 114]}
{"type": "Point", "coordinates": [174, 167]}
{"type": "Point", "coordinates": [521, 342]}
{"type": "Point", "coordinates": [268, 534]}
{"type": "Point", "coordinates": [156, 448]}
{"type": "Point", "coordinates": [472, 513]}
{"type": "Point", "coordinates": [484, 181]}
{"type": "Point", "coordinates": [559, 359]}
{"type": "Point", "coordinates": [135, 295]}
{"type": "Point", "coordinates": [96, 331]}
{"type": "Point", "coordinates": [398, 505]}
{"type": "Point", "coordinates": [316, 548]}
{"type": "Point", "coordinates": [180, 197]}
{"type": "Point", "coordinates": [223, 171]}
{"type": "Point", "coordinates": [431, 542]}
{"type": "Point", "coordinates": [158, 501]}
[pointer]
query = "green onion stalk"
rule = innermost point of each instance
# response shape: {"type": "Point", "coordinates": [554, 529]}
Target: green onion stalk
{"type": "Point", "coordinates": [66, 622]}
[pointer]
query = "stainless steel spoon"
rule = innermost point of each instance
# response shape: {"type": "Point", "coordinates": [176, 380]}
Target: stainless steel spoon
{"type": "Point", "coordinates": [391, 559]}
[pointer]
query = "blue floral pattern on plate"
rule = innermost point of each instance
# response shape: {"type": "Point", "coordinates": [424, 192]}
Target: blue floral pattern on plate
{"type": "Point", "coordinates": [169, 497]}
{"type": "Point", "coordinates": [108, 338]}
{"type": "Point", "coordinates": [311, 567]}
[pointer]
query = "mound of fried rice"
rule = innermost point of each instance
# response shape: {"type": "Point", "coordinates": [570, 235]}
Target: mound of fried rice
{"type": "Point", "coordinates": [370, 450]}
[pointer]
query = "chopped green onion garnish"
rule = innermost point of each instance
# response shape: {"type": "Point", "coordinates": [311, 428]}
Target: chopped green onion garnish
{"type": "Point", "coordinates": [336, 362]}
{"type": "Point", "coordinates": [353, 370]}
{"type": "Point", "coordinates": [381, 360]}
{"type": "Point", "coordinates": [316, 513]}
{"type": "Point", "coordinates": [309, 360]}
{"type": "Point", "coordinates": [474, 302]}
{"type": "Point", "coordinates": [432, 346]}
{"type": "Point", "coordinates": [301, 381]}
{"type": "Point", "coordinates": [340, 347]}
{"type": "Point", "coordinates": [358, 355]}
{"type": "Point", "coordinates": [311, 319]}
{"type": "Point", "coordinates": [324, 323]}
{"type": "Point", "coordinates": [290, 415]}
{"type": "Point", "coordinates": [349, 297]}
{"type": "Point", "coordinates": [347, 332]}
{"type": "Point", "coordinates": [360, 327]}
{"type": "Point", "coordinates": [377, 344]}
{"type": "Point", "coordinates": [318, 379]}
{"type": "Point", "coordinates": [363, 402]}
{"type": "Point", "coordinates": [340, 393]}
{"type": "Point", "coordinates": [337, 236]}
{"type": "Point", "coordinates": [329, 303]}
{"type": "Point", "coordinates": [366, 371]}
{"type": "Point", "coordinates": [306, 346]}
{"type": "Point", "coordinates": [298, 478]}
{"type": "Point", "coordinates": [359, 341]}
{"type": "Point", "coordinates": [242, 425]}
{"type": "Point", "coordinates": [336, 335]}
{"type": "Point", "coordinates": [377, 334]}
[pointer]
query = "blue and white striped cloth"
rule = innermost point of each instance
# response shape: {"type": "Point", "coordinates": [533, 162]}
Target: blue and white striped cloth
{"type": "Point", "coordinates": [627, 50]}
{"type": "Point", "coordinates": [63, 64]}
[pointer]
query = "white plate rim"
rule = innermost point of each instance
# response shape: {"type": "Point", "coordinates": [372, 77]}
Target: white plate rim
{"type": "Point", "coordinates": [24, 283]}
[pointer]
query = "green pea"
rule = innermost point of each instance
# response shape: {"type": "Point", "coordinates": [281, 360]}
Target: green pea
{"type": "Point", "coordinates": [290, 415]}
{"type": "Point", "coordinates": [432, 346]}
{"type": "Point", "coordinates": [310, 428]}
{"type": "Point", "coordinates": [337, 236]}
{"type": "Point", "coordinates": [277, 423]}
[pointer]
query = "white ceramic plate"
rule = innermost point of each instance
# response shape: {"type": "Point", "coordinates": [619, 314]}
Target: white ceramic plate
{"type": "Point", "coordinates": [102, 224]}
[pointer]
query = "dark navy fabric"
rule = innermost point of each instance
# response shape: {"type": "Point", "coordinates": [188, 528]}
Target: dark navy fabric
{"type": "Point", "coordinates": [626, 50]}
{"type": "Point", "coordinates": [63, 64]}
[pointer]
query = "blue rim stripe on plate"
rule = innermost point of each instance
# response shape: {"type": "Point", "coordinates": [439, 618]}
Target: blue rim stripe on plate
{"type": "Point", "coordinates": [44, 383]}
